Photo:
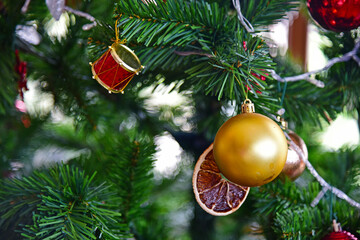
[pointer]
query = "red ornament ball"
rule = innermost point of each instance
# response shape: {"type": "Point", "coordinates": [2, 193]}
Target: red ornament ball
{"type": "Point", "coordinates": [342, 235]}
{"type": "Point", "coordinates": [335, 15]}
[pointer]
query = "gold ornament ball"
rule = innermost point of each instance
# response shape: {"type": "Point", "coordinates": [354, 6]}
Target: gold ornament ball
{"type": "Point", "coordinates": [250, 149]}
{"type": "Point", "coordinates": [294, 165]}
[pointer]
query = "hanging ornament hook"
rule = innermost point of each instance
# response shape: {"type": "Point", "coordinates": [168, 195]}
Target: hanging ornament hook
{"type": "Point", "coordinates": [247, 106]}
{"type": "Point", "coordinates": [284, 124]}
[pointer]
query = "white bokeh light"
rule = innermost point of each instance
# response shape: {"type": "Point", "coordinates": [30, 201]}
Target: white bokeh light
{"type": "Point", "coordinates": [341, 132]}
{"type": "Point", "coordinates": [167, 155]}
{"type": "Point", "coordinates": [315, 57]}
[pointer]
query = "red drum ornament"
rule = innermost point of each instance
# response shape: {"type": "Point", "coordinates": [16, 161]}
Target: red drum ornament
{"type": "Point", "coordinates": [116, 67]}
{"type": "Point", "coordinates": [335, 15]}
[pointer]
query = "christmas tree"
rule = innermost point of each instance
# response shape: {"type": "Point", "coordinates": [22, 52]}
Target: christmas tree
{"type": "Point", "coordinates": [78, 160]}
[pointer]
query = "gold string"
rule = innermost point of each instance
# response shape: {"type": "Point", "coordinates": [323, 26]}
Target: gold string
{"type": "Point", "coordinates": [117, 40]}
{"type": "Point", "coordinates": [116, 32]}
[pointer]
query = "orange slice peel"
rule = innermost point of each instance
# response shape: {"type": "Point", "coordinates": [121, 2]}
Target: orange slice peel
{"type": "Point", "coordinates": [215, 194]}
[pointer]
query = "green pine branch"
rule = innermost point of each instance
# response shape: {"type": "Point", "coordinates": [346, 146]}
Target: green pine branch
{"type": "Point", "coordinates": [8, 81]}
{"type": "Point", "coordinates": [299, 223]}
{"type": "Point", "coordinates": [63, 203]}
{"type": "Point", "coordinates": [130, 170]}
{"type": "Point", "coordinates": [126, 161]}
{"type": "Point", "coordinates": [286, 211]}
{"type": "Point", "coordinates": [313, 105]}
{"type": "Point", "coordinates": [262, 13]}
{"type": "Point", "coordinates": [171, 23]}
{"type": "Point", "coordinates": [306, 222]}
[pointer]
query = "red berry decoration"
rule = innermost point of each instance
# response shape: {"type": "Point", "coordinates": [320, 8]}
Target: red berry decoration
{"type": "Point", "coordinates": [338, 234]}
{"type": "Point", "coordinates": [335, 15]}
{"type": "Point", "coordinates": [21, 69]}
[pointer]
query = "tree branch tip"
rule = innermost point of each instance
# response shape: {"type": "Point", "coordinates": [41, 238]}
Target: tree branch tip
{"type": "Point", "coordinates": [318, 83]}
{"type": "Point", "coordinates": [25, 6]}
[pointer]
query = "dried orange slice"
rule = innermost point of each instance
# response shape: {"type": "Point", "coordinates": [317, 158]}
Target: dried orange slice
{"type": "Point", "coordinates": [215, 194]}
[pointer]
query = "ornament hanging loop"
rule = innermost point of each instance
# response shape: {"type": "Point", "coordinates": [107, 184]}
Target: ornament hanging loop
{"type": "Point", "coordinates": [247, 106]}
{"type": "Point", "coordinates": [284, 124]}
